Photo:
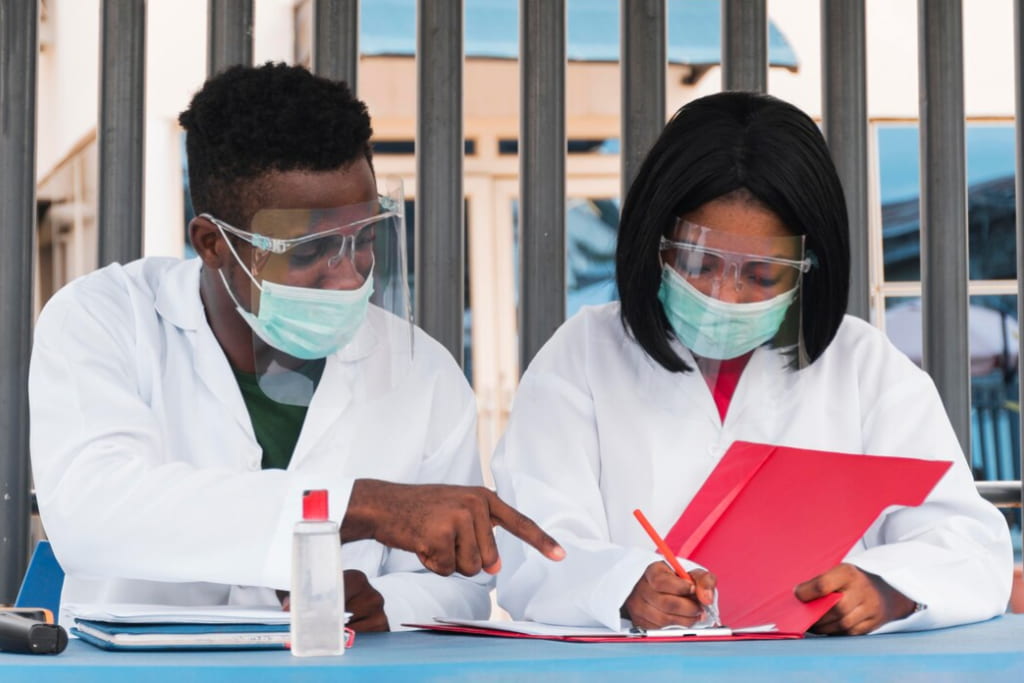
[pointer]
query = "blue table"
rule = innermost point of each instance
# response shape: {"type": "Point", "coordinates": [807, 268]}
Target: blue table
{"type": "Point", "coordinates": [990, 651]}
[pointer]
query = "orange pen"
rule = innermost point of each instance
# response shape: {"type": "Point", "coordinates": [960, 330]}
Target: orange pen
{"type": "Point", "coordinates": [670, 557]}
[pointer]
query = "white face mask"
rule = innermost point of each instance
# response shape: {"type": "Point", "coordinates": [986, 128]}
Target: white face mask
{"type": "Point", "coordinates": [308, 323]}
{"type": "Point", "coordinates": [716, 329]}
{"type": "Point", "coordinates": [304, 322]}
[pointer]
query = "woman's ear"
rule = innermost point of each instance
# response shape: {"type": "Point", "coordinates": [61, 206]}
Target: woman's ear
{"type": "Point", "coordinates": [205, 237]}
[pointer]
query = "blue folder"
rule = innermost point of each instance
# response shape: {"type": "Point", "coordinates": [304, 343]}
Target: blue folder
{"type": "Point", "coordinates": [43, 580]}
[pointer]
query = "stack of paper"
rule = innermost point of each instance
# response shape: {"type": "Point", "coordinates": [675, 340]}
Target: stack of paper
{"type": "Point", "coordinates": [172, 627]}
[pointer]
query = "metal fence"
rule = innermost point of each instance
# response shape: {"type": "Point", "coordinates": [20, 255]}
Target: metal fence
{"type": "Point", "coordinates": [439, 251]}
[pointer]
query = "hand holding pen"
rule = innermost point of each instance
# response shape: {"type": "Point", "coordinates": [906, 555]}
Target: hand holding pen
{"type": "Point", "coordinates": [663, 597]}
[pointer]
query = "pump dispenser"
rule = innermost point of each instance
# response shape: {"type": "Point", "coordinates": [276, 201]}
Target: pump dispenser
{"type": "Point", "coordinates": [318, 589]}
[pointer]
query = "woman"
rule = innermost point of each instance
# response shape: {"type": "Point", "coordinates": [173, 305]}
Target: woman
{"type": "Point", "coordinates": [733, 267]}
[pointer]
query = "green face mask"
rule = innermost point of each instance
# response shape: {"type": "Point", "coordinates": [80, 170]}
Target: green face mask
{"type": "Point", "coordinates": [716, 329]}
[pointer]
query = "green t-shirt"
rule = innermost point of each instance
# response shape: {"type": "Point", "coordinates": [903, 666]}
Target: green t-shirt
{"type": "Point", "coordinates": [277, 425]}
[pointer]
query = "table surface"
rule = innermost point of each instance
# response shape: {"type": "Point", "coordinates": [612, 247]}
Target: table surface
{"type": "Point", "coordinates": [989, 651]}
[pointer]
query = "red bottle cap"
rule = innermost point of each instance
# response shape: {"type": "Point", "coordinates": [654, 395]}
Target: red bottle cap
{"type": "Point", "coordinates": [314, 505]}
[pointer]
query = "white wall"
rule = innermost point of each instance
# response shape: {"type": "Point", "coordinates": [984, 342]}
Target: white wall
{"type": "Point", "coordinates": [175, 69]}
{"type": "Point", "coordinates": [892, 59]}
{"type": "Point", "coordinates": [68, 81]}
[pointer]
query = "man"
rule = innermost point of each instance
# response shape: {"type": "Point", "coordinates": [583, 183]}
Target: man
{"type": "Point", "coordinates": [180, 408]}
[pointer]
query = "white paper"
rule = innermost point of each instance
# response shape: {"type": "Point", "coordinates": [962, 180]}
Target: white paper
{"type": "Point", "coordinates": [126, 613]}
{"type": "Point", "coordinates": [534, 628]}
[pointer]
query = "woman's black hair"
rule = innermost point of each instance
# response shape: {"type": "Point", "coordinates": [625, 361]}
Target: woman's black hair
{"type": "Point", "coordinates": [713, 146]}
{"type": "Point", "coordinates": [246, 122]}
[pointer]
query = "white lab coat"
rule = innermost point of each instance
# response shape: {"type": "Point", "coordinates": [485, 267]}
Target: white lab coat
{"type": "Point", "coordinates": [148, 473]}
{"type": "Point", "coordinates": [599, 429]}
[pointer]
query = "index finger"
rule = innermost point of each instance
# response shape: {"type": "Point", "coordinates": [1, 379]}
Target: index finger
{"type": "Point", "coordinates": [524, 528]}
{"type": "Point", "coordinates": [705, 583]}
{"type": "Point", "coordinates": [833, 580]}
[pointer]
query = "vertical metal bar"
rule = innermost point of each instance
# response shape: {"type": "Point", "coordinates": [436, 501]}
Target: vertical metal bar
{"type": "Point", "coordinates": [845, 114]}
{"type": "Point", "coordinates": [643, 81]}
{"type": "Point", "coordinates": [121, 136]}
{"type": "Point", "coordinates": [18, 50]}
{"type": "Point", "coordinates": [1018, 53]}
{"type": "Point", "coordinates": [229, 35]}
{"type": "Point", "coordinates": [944, 209]}
{"type": "Point", "coordinates": [744, 45]}
{"type": "Point", "coordinates": [542, 149]}
{"type": "Point", "coordinates": [336, 40]}
{"type": "Point", "coordinates": [440, 243]}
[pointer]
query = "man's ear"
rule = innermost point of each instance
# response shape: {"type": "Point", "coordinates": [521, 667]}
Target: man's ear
{"type": "Point", "coordinates": [205, 237]}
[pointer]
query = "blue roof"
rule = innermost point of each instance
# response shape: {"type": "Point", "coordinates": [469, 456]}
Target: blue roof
{"type": "Point", "coordinates": [388, 27]}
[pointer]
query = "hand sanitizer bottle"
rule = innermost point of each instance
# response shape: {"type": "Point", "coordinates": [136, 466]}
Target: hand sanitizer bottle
{"type": "Point", "coordinates": [318, 589]}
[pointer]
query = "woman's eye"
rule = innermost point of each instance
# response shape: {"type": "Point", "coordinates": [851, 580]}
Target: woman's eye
{"type": "Point", "coordinates": [765, 276]}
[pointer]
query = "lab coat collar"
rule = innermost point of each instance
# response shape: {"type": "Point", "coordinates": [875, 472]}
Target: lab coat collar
{"type": "Point", "coordinates": [177, 299]}
{"type": "Point", "coordinates": [763, 387]}
{"type": "Point", "coordinates": [178, 302]}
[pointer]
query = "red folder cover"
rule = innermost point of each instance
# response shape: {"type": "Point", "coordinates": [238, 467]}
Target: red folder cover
{"type": "Point", "coordinates": [771, 517]}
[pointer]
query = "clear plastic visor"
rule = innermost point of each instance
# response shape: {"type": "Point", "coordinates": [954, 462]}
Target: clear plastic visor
{"type": "Point", "coordinates": [325, 281]}
{"type": "Point", "coordinates": [734, 267]}
{"type": "Point", "coordinates": [726, 294]}
{"type": "Point", "coordinates": [319, 248]}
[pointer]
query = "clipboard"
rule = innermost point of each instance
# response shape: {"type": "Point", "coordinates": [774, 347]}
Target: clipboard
{"type": "Point", "coordinates": [771, 517]}
{"type": "Point", "coordinates": [148, 627]}
{"type": "Point", "coordinates": [596, 634]}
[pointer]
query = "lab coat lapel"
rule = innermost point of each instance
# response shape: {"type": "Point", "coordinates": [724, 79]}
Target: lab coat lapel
{"type": "Point", "coordinates": [332, 397]}
{"type": "Point", "coordinates": [687, 392]}
{"type": "Point", "coordinates": [686, 412]}
{"type": "Point", "coordinates": [763, 388]}
{"type": "Point", "coordinates": [178, 302]}
{"type": "Point", "coordinates": [339, 384]}
{"type": "Point", "coordinates": [215, 372]}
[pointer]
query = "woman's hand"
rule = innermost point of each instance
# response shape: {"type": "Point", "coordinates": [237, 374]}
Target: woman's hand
{"type": "Point", "coordinates": [660, 598]}
{"type": "Point", "coordinates": [867, 602]}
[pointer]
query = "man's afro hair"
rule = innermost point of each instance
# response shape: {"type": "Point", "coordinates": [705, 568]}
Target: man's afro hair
{"type": "Point", "coordinates": [246, 122]}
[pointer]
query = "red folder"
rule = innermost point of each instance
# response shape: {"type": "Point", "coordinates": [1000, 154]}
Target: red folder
{"type": "Point", "coordinates": [771, 517]}
{"type": "Point", "coordinates": [496, 631]}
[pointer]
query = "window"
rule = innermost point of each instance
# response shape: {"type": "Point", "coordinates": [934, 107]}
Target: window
{"type": "Point", "coordinates": [992, 321]}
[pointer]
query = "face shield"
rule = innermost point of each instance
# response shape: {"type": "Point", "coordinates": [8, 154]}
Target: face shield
{"type": "Point", "coordinates": [323, 281]}
{"type": "Point", "coordinates": [726, 294]}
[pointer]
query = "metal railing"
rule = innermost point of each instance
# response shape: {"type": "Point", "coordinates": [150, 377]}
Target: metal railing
{"type": "Point", "coordinates": [18, 51]}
